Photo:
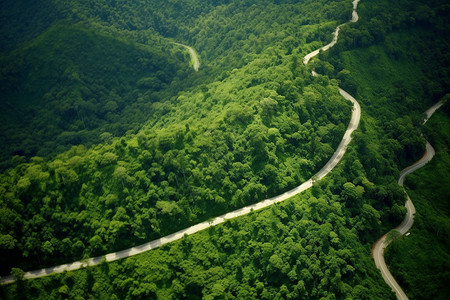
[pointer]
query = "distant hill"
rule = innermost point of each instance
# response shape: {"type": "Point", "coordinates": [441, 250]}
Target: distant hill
{"type": "Point", "coordinates": [71, 84]}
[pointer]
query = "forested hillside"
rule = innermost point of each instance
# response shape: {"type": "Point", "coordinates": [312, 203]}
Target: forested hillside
{"type": "Point", "coordinates": [117, 141]}
{"type": "Point", "coordinates": [396, 63]}
{"type": "Point", "coordinates": [302, 249]}
{"type": "Point", "coordinates": [22, 20]}
{"type": "Point", "coordinates": [73, 86]}
{"type": "Point", "coordinates": [421, 260]}
{"type": "Point", "coordinates": [260, 130]}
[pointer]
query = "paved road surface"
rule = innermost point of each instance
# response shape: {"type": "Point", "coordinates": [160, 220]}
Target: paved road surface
{"type": "Point", "coordinates": [354, 19]}
{"type": "Point", "coordinates": [381, 244]}
{"type": "Point", "coordinates": [193, 55]}
{"type": "Point", "coordinates": [337, 156]}
{"type": "Point", "coordinates": [431, 110]}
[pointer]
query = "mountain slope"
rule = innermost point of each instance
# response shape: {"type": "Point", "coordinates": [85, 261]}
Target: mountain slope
{"type": "Point", "coordinates": [71, 84]}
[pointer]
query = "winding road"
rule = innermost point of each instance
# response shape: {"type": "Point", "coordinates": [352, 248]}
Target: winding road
{"type": "Point", "coordinates": [334, 160]}
{"type": "Point", "coordinates": [193, 55]}
{"type": "Point", "coordinates": [354, 19]}
{"type": "Point", "coordinates": [382, 243]}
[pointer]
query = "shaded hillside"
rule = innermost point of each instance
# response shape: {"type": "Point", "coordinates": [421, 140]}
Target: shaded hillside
{"type": "Point", "coordinates": [254, 122]}
{"type": "Point", "coordinates": [70, 85]}
{"type": "Point", "coordinates": [421, 260]}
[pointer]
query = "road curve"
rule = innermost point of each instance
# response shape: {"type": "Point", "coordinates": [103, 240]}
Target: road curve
{"type": "Point", "coordinates": [193, 55]}
{"type": "Point", "coordinates": [429, 112]}
{"type": "Point", "coordinates": [380, 245]}
{"type": "Point", "coordinates": [354, 19]}
{"type": "Point", "coordinates": [334, 160]}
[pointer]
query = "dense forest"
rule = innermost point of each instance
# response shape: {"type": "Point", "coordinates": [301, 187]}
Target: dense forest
{"type": "Point", "coordinates": [82, 89]}
{"type": "Point", "coordinates": [423, 272]}
{"type": "Point", "coordinates": [258, 131]}
{"type": "Point", "coordinates": [110, 139]}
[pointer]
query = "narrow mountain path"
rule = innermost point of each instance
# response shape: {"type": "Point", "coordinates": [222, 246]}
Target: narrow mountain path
{"type": "Point", "coordinates": [334, 160]}
{"type": "Point", "coordinates": [193, 55]}
{"type": "Point", "coordinates": [354, 19]}
{"type": "Point", "coordinates": [380, 245]}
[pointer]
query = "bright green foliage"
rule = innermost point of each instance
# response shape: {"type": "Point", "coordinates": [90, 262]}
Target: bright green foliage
{"type": "Point", "coordinates": [193, 167]}
{"type": "Point", "coordinates": [393, 61]}
{"type": "Point", "coordinates": [389, 71]}
{"type": "Point", "coordinates": [173, 147]}
{"type": "Point", "coordinates": [420, 261]}
{"type": "Point", "coordinates": [300, 249]}
{"type": "Point", "coordinates": [260, 130]}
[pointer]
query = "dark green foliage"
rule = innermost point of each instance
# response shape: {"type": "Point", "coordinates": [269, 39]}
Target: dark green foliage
{"type": "Point", "coordinates": [394, 61]}
{"type": "Point", "coordinates": [399, 72]}
{"type": "Point", "coordinates": [420, 261]}
{"type": "Point", "coordinates": [184, 168]}
{"type": "Point", "coordinates": [71, 84]}
{"type": "Point", "coordinates": [261, 130]}
{"type": "Point", "coordinates": [409, 64]}
{"type": "Point", "coordinates": [101, 96]}
{"type": "Point", "coordinates": [172, 147]}
{"type": "Point", "coordinates": [301, 249]}
{"type": "Point", "coordinates": [23, 20]}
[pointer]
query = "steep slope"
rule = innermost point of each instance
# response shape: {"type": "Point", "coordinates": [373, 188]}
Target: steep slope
{"type": "Point", "coordinates": [70, 85]}
{"type": "Point", "coordinates": [398, 68]}
{"type": "Point", "coordinates": [22, 21]}
{"type": "Point", "coordinates": [326, 169]}
{"type": "Point", "coordinates": [257, 131]}
{"type": "Point", "coordinates": [256, 122]}
{"type": "Point", "coordinates": [420, 261]}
